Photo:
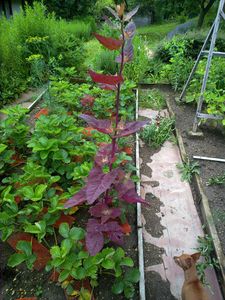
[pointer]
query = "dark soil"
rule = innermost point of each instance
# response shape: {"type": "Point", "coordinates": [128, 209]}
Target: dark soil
{"type": "Point", "coordinates": [211, 145]}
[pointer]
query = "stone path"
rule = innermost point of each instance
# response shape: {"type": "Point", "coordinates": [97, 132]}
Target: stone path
{"type": "Point", "coordinates": [171, 224]}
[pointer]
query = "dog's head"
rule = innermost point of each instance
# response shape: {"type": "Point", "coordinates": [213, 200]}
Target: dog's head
{"type": "Point", "coordinates": [186, 261]}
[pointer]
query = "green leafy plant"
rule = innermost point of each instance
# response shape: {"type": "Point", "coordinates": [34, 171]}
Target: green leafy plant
{"type": "Point", "coordinates": [56, 141]}
{"type": "Point", "coordinates": [14, 129]}
{"type": "Point", "coordinates": [152, 99]}
{"type": "Point", "coordinates": [206, 249]}
{"type": "Point", "coordinates": [5, 158]}
{"type": "Point", "coordinates": [25, 254]}
{"type": "Point", "coordinates": [72, 261]}
{"type": "Point", "coordinates": [188, 169]}
{"type": "Point", "coordinates": [217, 180]}
{"type": "Point", "coordinates": [158, 132]}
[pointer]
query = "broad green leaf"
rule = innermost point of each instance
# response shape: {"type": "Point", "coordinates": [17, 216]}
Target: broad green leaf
{"type": "Point", "coordinates": [63, 275]}
{"type": "Point", "coordinates": [55, 252]}
{"type": "Point", "coordinates": [129, 290]}
{"type": "Point", "coordinates": [25, 247]}
{"type": "Point", "coordinates": [30, 261]}
{"type": "Point", "coordinates": [66, 246]}
{"type": "Point", "coordinates": [83, 254]}
{"type": "Point", "coordinates": [64, 230]}
{"type": "Point", "coordinates": [108, 264]}
{"type": "Point", "coordinates": [108, 252]}
{"type": "Point", "coordinates": [39, 191]}
{"type": "Point", "coordinates": [118, 287]}
{"type": "Point", "coordinates": [6, 232]}
{"type": "Point", "coordinates": [127, 261]}
{"type": "Point", "coordinates": [132, 275]}
{"type": "Point", "coordinates": [77, 234]}
{"type": "Point", "coordinates": [16, 259]}
{"type": "Point", "coordinates": [78, 273]}
{"type": "Point", "coordinates": [2, 147]}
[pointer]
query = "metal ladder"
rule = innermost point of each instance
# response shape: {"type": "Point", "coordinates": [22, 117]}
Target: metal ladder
{"type": "Point", "coordinates": [210, 53]}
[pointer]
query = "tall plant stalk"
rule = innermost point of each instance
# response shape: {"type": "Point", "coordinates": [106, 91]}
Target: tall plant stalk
{"type": "Point", "coordinates": [110, 183]}
{"type": "Point", "coordinates": [114, 139]}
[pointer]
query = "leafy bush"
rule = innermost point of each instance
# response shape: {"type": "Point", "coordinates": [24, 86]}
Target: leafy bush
{"type": "Point", "coordinates": [33, 43]}
{"type": "Point", "coordinates": [191, 44]}
{"type": "Point", "coordinates": [136, 69]}
{"type": "Point", "coordinates": [158, 132]}
{"type": "Point", "coordinates": [105, 62]}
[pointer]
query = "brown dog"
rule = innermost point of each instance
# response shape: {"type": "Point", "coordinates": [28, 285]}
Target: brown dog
{"type": "Point", "coordinates": [192, 288]}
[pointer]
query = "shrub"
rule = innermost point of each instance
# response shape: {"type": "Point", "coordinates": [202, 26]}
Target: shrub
{"type": "Point", "coordinates": [105, 62]}
{"type": "Point", "coordinates": [158, 132]}
{"type": "Point", "coordinates": [35, 32]}
{"type": "Point", "coordinates": [136, 69]}
{"type": "Point", "coordinates": [191, 43]}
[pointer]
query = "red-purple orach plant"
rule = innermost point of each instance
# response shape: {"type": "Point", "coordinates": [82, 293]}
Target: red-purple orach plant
{"type": "Point", "coordinates": [103, 187]}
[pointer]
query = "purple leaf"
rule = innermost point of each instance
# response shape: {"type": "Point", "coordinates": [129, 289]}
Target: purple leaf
{"type": "Point", "coordinates": [131, 196]}
{"type": "Point", "coordinates": [94, 242]}
{"type": "Point", "coordinates": [130, 128]}
{"type": "Point", "coordinates": [93, 225]}
{"type": "Point", "coordinates": [107, 79]}
{"type": "Point", "coordinates": [113, 12]}
{"type": "Point", "coordinates": [127, 192]}
{"type": "Point", "coordinates": [77, 199]}
{"type": "Point", "coordinates": [98, 183]}
{"type": "Point", "coordinates": [114, 232]}
{"type": "Point", "coordinates": [103, 211]}
{"type": "Point", "coordinates": [104, 126]}
{"type": "Point", "coordinates": [109, 43]}
{"type": "Point", "coordinates": [128, 52]}
{"type": "Point", "coordinates": [87, 100]}
{"type": "Point", "coordinates": [129, 30]}
{"type": "Point", "coordinates": [108, 87]}
{"type": "Point", "coordinates": [95, 237]}
{"type": "Point", "coordinates": [131, 13]}
{"type": "Point", "coordinates": [104, 154]}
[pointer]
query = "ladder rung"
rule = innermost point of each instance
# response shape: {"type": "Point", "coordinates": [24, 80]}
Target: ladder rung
{"type": "Point", "coordinates": [222, 14]}
{"type": "Point", "coordinates": [208, 116]}
{"type": "Point", "coordinates": [216, 53]}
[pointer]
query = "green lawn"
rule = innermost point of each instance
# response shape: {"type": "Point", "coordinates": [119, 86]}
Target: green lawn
{"type": "Point", "coordinates": [156, 32]}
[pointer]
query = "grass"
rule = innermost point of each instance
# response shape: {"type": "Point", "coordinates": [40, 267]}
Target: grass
{"type": "Point", "coordinates": [152, 99]}
{"type": "Point", "coordinates": [156, 32]}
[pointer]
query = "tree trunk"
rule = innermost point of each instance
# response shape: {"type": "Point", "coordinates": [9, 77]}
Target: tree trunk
{"type": "Point", "coordinates": [204, 11]}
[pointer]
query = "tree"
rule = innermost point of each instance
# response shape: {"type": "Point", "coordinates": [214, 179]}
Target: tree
{"type": "Point", "coordinates": [205, 7]}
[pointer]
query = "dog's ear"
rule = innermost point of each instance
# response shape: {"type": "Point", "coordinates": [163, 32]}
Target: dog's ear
{"type": "Point", "coordinates": [196, 256]}
{"type": "Point", "coordinates": [188, 263]}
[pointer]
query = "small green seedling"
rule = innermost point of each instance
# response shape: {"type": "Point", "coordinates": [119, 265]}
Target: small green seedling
{"type": "Point", "coordinates": [217, 180]}
{"type": "Point", "coordinates": [206, 249]}
{"type": "Point", "coordinates": [188, 169]}
{"type": "Point", "coordinates": [158, 132]}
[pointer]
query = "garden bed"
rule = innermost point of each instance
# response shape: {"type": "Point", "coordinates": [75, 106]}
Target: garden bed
{"type": "Point", "coordinates": [211, 145]}
{"type": "Point", "coordinates": [159, 218]}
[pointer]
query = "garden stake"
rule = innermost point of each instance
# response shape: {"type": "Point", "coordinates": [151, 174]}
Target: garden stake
{"type": "Point", "coordinates": [210, 53]}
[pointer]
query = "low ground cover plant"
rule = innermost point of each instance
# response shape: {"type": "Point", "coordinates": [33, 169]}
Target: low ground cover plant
{"type": "Point", "coordinates": [69, 168]}
{"type": "Point", "coordinates": [158, 132]}
{"type": "Point", "coordinates": [152, 99]}
{"type": "Point", "coordinates": [188, 169]}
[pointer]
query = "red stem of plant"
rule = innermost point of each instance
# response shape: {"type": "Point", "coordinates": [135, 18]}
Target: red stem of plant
{"type": "Point", "coordinates": [117, 107]}
{"type": "Point", "coordinates": [118, 99]}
